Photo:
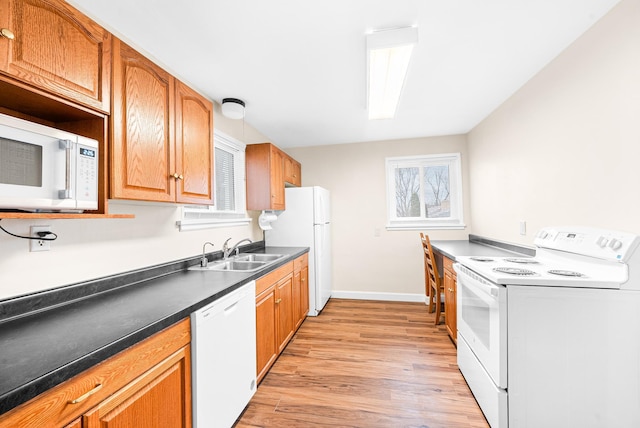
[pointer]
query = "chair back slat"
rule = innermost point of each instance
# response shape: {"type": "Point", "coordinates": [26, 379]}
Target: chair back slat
{"type": "Point", "coordinates": [432, 267]}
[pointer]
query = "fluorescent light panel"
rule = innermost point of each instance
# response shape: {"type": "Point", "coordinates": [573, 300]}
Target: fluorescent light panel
{"type": "Point", "coordinates": [388, 56]}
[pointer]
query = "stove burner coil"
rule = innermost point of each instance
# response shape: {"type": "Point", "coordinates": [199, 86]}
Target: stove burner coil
{"type": "Point", "coordinates": [482, 259]}
{"type": "Point", "coordinates": [522, 261]}
{"type": "Point", "coordinates": [515, 271]}
{"type": "Point", "coordinates": [565, 273]}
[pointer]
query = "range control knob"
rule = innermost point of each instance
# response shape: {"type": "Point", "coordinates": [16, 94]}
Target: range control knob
{"type": "Point", "coordinates": [615, 244]}
{"type": "Point", "coordinates": [602, 241]}
{"type": "Point", "coordinates": [543, 234]}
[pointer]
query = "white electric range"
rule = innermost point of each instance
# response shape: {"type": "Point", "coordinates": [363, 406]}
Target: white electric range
{"type": "Point", "coordinates": [554, 340]}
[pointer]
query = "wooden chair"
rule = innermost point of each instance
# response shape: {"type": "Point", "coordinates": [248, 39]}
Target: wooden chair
{"type": "Point", "coordinates": [432, 279]}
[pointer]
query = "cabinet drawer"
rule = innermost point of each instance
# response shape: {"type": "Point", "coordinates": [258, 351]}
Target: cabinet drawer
{"type": "Point", "coordinates": [300, 262]}
{"type": "Point", "coordinates": [55, 408]}
{"type": "Point", "coordinates": [272, 277]}
{"type": "Point", "coordinates": [448, 265]}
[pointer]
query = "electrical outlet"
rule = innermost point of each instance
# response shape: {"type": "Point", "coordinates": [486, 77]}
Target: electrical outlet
{"type": "Point", "coordinates": [39, 244]}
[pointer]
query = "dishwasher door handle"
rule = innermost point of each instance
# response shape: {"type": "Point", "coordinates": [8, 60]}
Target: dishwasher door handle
{"type": "Point", "coordinates": [231, 308]}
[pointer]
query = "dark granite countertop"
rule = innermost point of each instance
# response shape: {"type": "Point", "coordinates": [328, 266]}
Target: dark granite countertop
{"type": "Point", "coordinates": [51, 345]}
{"type": "Point", "coordinates": [478, 246]}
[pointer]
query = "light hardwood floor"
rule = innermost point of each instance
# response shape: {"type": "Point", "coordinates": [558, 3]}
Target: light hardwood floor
{"type": "Point", "coordinates": [366, 364]}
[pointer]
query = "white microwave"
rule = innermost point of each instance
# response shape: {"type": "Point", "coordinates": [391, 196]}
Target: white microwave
{"type": "Point", "coordinates": [43, 169]}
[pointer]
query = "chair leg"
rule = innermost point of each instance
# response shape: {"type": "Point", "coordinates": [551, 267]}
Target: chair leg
{"type": "Point", "coordinates": [430, 297]}
{"type": "Point", "coordinates": [438, 305]}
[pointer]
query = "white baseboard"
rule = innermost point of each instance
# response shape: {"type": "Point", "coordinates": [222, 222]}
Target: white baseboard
{"type": "Point", "coordinates": [368, 295]}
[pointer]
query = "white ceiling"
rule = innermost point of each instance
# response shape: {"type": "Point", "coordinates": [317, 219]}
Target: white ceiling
{"type": "Point", "coordinates": [300, 65]}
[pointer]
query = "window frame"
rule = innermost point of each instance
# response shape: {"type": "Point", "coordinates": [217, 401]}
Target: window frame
{"type": "Point", "coordinates": [454, 221]}
{"type": "Point", "coordinates": [195, 217]}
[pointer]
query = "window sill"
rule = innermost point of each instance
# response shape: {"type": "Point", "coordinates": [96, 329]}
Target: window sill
{"type": "Point", "coordinates": [428, 226]}
{"type": "Point", "coordinates": [211, 223]}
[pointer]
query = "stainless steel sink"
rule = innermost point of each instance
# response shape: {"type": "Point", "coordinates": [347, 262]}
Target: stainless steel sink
{"type": "Point", "coordinates": [251, 257]}
{"type": "Point", "coordinates": [244, 262]}
{"type": "Point", "coordinates": [233, 265]}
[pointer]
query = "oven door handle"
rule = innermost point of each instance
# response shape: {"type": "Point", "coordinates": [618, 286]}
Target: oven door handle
{"type": "Point", "coordinates": [475, 282]}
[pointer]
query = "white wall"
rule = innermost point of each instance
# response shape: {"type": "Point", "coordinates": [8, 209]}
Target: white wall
{"type": "Point", "coordinates": [355, 174]}
{"type": "Point", "coordinates": [87, 249]}
{"type": "Point", "coordinates": [565, 149]}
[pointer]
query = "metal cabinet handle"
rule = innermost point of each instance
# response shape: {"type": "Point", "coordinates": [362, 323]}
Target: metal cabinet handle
{"type": "Point", "coordinates": [178, 176]}
{"type": "Point", "coordinates": [6, 33]}
{"type": "Point", "coordinates": [83, 397]}
{"type": "Point", "coordinates": [278, 301]}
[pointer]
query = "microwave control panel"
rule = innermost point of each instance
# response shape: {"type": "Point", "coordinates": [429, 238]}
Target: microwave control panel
{"type": "Point", "coordinates": [87, 174]}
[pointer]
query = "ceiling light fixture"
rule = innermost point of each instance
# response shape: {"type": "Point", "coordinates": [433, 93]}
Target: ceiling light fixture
{"type": "Point", "coordinates": [233, 108]}
{"type": "Point", "coordinates": [388, 56]}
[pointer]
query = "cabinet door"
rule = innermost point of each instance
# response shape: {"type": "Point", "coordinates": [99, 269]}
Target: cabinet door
{"type": "Point", "coordinates": [292, 170]}
{"type": "Point", "coordinates": [75, 424]}
{"type": "Point", "coordinates": [450, 305]}
{"type": "Point", "coordinates": [58, 49]}
{"type": "Point", "coordinates": [142, 126]}
{"type": "Point", "coordinates": [159, 398]}
{"type": "Point", "coordinates": [194, 146]}
{"type": "Point", "coordinates": [266, 346]}
{"type": "Point", "coordinates": [277, 179]}
{"type": "Point", "coordinates": [296, 299]}
{"type": "Point", "coordinates": [284, 309]}
{"type": "Point", "coordinates": [304, 295]}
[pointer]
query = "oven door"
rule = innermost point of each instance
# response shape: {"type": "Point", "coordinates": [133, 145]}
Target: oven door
{"type": "Point", "coordinates": [482, 321]}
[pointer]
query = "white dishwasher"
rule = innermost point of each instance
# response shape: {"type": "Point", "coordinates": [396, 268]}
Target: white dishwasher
{"type": "Point", "coordinates": [223, 352]}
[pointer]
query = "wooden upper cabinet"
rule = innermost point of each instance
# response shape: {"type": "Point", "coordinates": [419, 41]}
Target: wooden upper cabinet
{"type": "Point", "coordinates": [267, 171]}
{"type": "Point", "coordinates": [292, 171]}
{"type": "Point", "coordinates": [162, 134]}
{"type": "Point", "coordinates": [277, 179]}
{"type": "Point", "coordinates": [142, 127]}
{"type": "Point", "coordinates": [194, 148]}
{"type": "Point", "coordinates": [58, 49]}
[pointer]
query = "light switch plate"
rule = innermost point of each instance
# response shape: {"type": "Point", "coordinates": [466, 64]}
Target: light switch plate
{"type": "Point", "coordinates": [523, 227]}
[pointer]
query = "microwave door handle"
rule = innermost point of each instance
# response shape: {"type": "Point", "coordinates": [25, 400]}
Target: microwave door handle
{"type": "Point", "coordinates": [67, 192]}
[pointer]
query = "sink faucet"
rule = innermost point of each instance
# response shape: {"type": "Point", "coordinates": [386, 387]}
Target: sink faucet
{"type": "Point", "coordinates": [225, 247]}
{"type": "Point", "coordinates": [204, 261]}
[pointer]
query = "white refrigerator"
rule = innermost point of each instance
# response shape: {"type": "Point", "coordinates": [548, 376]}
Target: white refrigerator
{"type": "Point", "coordinates": [306, 222]}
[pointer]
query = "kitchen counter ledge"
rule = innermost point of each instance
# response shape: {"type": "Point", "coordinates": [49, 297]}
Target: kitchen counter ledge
{"type": "Point", "coordinates": [49, 337]}
{"type": "Point", "coordinates": [479, 246]}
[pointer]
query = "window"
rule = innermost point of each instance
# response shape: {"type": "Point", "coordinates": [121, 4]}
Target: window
{"type": "Point", "coordinates": [424, 192]}
{"type": "Point", "coordinates": [229, 189]}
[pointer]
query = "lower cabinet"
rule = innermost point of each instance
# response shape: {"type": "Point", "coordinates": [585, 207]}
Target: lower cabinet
{"type": "Point", "coordinates": [147, 385]}
{"type": "Point", "coordinates": [266, 331]}
{"type": "Point", "coordinates": [282, 303]}
{"type": "Point", "coordinates": [450, 296]}
{"type": "Point", "coordinates": [300, 288]}
{"type": "Point", "coordinates": [284, 311]}
{"type": "Point", "coordinates": [157, 398]}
